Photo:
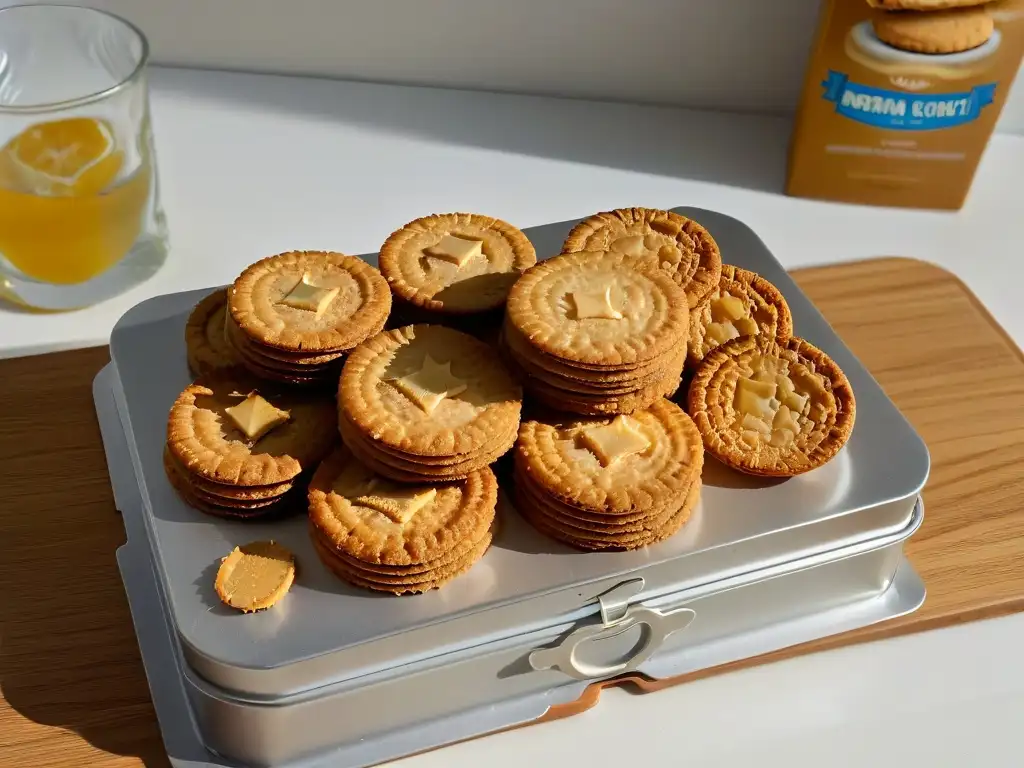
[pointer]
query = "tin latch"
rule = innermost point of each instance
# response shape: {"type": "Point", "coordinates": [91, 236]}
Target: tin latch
{"type": "Point", "coordinates": [617, 617]}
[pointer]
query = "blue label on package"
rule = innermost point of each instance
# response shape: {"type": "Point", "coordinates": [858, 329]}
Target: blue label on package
{"type": "Point", "coordinates": [901, 111]}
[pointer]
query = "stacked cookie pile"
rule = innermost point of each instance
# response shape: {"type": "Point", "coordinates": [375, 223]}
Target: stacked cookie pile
{"type": "Point", "coordinates": [427, 403]}
{"type": "Point", "coordinates": [240, 448]}
{"type": "Point", "coordinates": [934, 27]}
{"type": "Point", "coordinates": [597, 332]}
{"type": "Point", "coordinates": [621, 482]}
{"type": "Point", "coordinates": [389, 537]}
{"type": "Point", "coordinates": [293, 317]}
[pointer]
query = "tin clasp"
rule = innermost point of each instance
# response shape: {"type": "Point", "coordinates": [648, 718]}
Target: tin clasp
{"type": "Point", "coordinates": [617, 617]}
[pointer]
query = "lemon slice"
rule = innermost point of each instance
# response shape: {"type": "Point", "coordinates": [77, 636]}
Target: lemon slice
{"type": "Point", "coordinates": [75, 157]}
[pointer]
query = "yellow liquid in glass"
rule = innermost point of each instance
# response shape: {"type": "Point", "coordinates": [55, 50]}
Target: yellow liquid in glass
{"type": "Point", "coordinates": [68, 227]}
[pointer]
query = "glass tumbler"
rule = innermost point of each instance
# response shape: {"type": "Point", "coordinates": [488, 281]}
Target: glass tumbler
{"type": "Point", "coordinates": [80, 216]}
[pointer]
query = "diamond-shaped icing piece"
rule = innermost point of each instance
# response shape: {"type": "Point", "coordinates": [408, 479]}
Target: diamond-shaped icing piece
{"type": "Point", "coordinates": [309, 297]}
{"type": "Point", "coordinates": [256, 417]}
{"type": "Point", "coordinates": [399, 503]}
{"type": "Point", "coordinates": [612, 442]}
{"type": "Point", "coordinates": [455, 249]}
{"type": "Point", "coordinates": [595, 304]}
{"type": "Point", "coordinates": [430, 384]}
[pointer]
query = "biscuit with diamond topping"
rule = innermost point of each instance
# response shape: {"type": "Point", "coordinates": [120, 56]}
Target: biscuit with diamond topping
{"type": "Point", "coordinates": [599, 308]}
{"type": "Point", "coordinates": [642, 462]}
{"type": "Point", "coordinates": [427, 390]}
{"type": "Point", "coordinates": [364, 516]}
{"type": "Point", "coordinates": [233, 430]}
{"type": "Point", "coordinates": [776, 409]}
{"type": "Point", "coordinates": [455, 263]}
{"type": "Point", "coordinates": [310, 301]}
{"type": "Point", "coordinates": [743, 304]}
{"type": "Point", "coordinates": [655, 238]}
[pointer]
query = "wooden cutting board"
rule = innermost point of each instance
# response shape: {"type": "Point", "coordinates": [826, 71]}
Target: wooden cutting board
{"type": "Point", "coordinates": [73, 689]}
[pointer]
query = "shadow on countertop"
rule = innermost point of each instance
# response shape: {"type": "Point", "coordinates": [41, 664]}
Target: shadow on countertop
{"type": "Point", "coordinates": [713, 147]}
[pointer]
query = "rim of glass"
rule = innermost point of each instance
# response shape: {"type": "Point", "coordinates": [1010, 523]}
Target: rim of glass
{"type": "Point", "coordinates": [88, 98]}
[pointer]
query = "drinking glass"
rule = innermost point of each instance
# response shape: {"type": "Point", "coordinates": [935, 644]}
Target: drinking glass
{"type": "Point", "coordinates": [80, 215]}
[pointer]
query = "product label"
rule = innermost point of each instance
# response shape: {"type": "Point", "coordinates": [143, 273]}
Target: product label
{"type": "Point", "coordinates": [901, 111]}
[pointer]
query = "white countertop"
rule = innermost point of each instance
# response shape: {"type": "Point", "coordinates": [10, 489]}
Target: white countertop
{"type": "Point", "coordinates": [252, 165]}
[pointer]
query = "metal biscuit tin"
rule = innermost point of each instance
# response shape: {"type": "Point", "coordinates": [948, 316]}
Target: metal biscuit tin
{"type": "Point", "coordinates": [335, 675]}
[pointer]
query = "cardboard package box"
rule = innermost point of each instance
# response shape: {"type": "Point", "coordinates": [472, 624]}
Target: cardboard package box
{"type": "Point", "coordinates": [901, 97]}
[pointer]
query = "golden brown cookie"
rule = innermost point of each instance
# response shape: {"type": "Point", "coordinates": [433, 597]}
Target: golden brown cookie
{"type": "Point", "coordinates": [658, 239]}
{"type": "Point", "coordinates": [286, 362]}
{"type": "Point", "coordinates": [238, 431]}
{"type": "Point", "coordinates": [375, 520]}
{"type": "Point", "coordinates": [227, 496]}
{"type": "Point", "coordinates": [948, 31]}
{"type": "Point", "coordinates": [403, 584]}
{"type": "Point", "coordinates": [409, 468]}
{"type": "Point", "coordinates": [315, 370]}
{"type": "Point", "coordinates": [569, 374]}
{"type": "Point", "coordinates": [923, 5]}
{"type": "Point", "coordinates": [591, 541]}
{"type": "Point", "coordinates": [593, 333]}
{"type": "Point", "coordinates": [778, 409]}
{"type": "Point", "coordinates": [743, 304]}
{"type": "Point", "coordinates": [457, 554]}
{"type": "Point", "coordinates": [580, 522]}
{"type": "Point", "coordinates": [255, 576]}
{"type": "Point", "coordinates": [599, 309]}
{"type": "Point", "coordinates": [310, 301]}
{"type": "Point", "coordinates": [568, 398]}
{"type": "Point", "coordinates": [427, 390]}
{"type": "Point", "coordinates": [642, 462]}
{"type": "Point", "coordinates": [229, 492]}
{"type": "Point", "coordinates": [206, 348]}
{"type": "Point", "coordinates": [494, 444]}
{"type": "Point", "coordinates": [455, 263]}
{"type": "Point", "coordinates": [181, 481]}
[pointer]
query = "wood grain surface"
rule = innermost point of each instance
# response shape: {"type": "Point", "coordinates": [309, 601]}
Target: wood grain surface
{"type": "Point", "coordinates": [73, 689]}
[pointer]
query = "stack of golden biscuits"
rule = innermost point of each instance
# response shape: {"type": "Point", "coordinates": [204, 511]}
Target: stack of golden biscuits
{"type": "Point", "coordinates": [597, 337]}
{"type": "Point", "coordinates": [393, 537]}
{"type": "Point", "coordinates": [427, 403]}
{"type": "Point", "coordinates": [293, 317]}
{"type": "Point", "coordinates": [593, 333]}
{"type": "Point", "coordinates": [933, 27]}
{"type": "Point", "coordinates": [623, 483]}
{"type": "Point", "coordinates": [213, 430]}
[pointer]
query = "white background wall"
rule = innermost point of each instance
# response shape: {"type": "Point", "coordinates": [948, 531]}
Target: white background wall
{"type": "Point", "coordinates": [724, 54]}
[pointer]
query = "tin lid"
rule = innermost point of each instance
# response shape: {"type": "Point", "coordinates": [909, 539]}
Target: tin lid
{"type": "Point", "coordinates": [327, 631]}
